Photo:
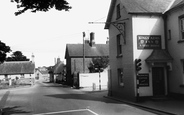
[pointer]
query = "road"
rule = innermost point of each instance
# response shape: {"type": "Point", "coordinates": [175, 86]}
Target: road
{"type": "Point", "coordinates": [55, 99]}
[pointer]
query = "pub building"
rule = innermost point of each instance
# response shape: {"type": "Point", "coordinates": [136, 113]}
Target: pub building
{"type": "Point", "coordinates": [146, 42]}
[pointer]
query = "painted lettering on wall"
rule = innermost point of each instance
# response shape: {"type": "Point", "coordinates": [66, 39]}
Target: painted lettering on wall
{"type": "Point", "coordinates": [149, 42]}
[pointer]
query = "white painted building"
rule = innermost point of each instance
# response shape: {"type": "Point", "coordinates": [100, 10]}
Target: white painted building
{"type": "Point", "coordinates": [140, 30]}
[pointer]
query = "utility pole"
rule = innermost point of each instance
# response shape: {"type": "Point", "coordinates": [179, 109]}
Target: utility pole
{"type": "Point", "coordinates": [83, 52]}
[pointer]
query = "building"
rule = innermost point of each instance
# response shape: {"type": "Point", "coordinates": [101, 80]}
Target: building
{"type": "Point", "coordinates": [146, 58]}
{"type": "Point", "coordinates": [42, 73]}
{"type": "Point", "coordinates": [78, 56]}
{"type": "Point", "coordinates": [16, 70]}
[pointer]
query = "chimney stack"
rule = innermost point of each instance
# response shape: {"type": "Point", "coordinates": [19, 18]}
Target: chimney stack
{"type": "Point", "coordinates": [107, 42]}
{"type": "Point", "coordinates": [32, 58]}
{"type": "Point", "coordinates": [92, 39]}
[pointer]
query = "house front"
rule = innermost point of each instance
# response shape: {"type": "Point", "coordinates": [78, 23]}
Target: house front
{"type": "Point", "coordinates": [141, 57]}
{"type": "Point", "coordinates": [78, 57]}
{"type": "Point", "coordinates": [14, 70]}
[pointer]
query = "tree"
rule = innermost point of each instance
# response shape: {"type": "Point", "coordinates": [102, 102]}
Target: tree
{"type": "Point", "coordinates": [40, 5]}
{"type": "Point", "coordinates": [98, 64]}
{"type": "Point", "coordinates": [17, 56]}
{"type": "Point", "coordinates": [3, 50]}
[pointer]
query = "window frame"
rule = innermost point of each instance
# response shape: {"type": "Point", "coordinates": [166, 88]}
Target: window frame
{"type": "Point", "coordinates": [119, 45]}
{"type": "Point", "coordinates": [120, 74]}
{"type": "Point", "coordinates": [118, 11]}
{"type": "Point", "coordinates": [181, 28]}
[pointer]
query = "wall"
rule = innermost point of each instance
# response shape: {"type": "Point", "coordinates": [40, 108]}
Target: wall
{"type": "Point", "coordinates": [176, 76]}
{"type": "Point", "coordinates": [88, 79]}
{"type": "Point", "coordinates": [146, 25]}
{"type": "Point", "coordinates": [126, 61]}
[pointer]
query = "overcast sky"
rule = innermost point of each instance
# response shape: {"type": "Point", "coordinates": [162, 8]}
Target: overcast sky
{"type": "Point", "coordinates": [46, 34]}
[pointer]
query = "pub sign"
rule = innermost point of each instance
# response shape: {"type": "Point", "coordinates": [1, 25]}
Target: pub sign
{"type": "Point", "coordinates": [143, 80]}
{"type": "Point", "coordinates": [149, 42]}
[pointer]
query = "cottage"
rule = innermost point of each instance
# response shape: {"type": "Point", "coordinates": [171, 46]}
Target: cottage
{"type": "Point", "coordinates": [146, 56]}
{"type": "Point", "coordinates": [16, 70]}
{"type": "Point", "coordinates": [78, 56]}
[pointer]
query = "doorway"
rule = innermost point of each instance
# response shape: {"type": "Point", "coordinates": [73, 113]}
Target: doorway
{"type": "Point", "coordinates": [158, 77]}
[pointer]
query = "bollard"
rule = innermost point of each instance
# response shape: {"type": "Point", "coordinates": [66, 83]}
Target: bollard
{"type": "Point", "coordinates": [94, 86]}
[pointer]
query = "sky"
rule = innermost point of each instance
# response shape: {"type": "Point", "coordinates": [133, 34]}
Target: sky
{"type": "Point", "coordinates": [45, 34]}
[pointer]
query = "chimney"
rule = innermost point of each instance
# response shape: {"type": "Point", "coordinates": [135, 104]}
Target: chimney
{"type": "Point", "coordinates": [107, 42]}
{"type": "Point", "coordinates": [58, 60]}
{"type": "Point", "coordinates": [92, 39]}
{"type": "Point", "coordinates": [32, 58]}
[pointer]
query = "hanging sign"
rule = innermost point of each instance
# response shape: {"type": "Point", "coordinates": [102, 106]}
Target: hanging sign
{"type": "Point", "coordinates": [149, 42]}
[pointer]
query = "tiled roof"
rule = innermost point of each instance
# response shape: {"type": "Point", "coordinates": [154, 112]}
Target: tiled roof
{"type": "Point", "coordinates": [159, 56]}
{"type": "Point", "coordinates": [17, 67]}
{"type": "Point", "coordinates": [76, 50]}
{"type": "Point", "coordinates": [143, 7]}
{"type": "Point", "coordinates": [177, 3]}
{"type": "Point", "coordinates": [59, 67]}
{"type": "Point", "coordinates": [146, 6]}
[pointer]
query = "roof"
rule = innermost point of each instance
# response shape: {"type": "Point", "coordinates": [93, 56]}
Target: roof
{"type": "Point", "coordinates": [159, 56]}
{"type": "Point", "coordinates": [76, 50]}
{"type": "Point", "coordinates": [143, 7]}
{"type": "Point", "coordinates": [17, 67]}
{"type": "Point", "coordinates": [176, 3]}
{"type": "Point", "coordinates": [58, 68]}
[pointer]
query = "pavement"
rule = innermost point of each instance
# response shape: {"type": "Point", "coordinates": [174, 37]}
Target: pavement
{"type": "Point", "coordinates": [169, 106]}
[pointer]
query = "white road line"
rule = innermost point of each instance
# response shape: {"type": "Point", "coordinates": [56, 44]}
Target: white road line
{"type": "Point", "coordinates": [92, 112]}
{"type": "Point", "coordinates": [68, 111]}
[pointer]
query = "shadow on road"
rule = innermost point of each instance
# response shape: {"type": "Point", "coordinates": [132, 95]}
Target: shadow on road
{"type": "Point", "coordinates": [87, 97]}
{"type": "Point", "coordinates": [13, 110]}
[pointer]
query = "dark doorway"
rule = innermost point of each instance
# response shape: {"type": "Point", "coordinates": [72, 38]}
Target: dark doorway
{"type": "Point", "coordinates": [158, 81]}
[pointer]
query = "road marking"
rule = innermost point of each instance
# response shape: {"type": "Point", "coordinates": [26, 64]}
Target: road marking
{"type": "Point", "coordinates": [68, 111]}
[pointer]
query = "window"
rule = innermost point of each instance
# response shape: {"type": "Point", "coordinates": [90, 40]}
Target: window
{"type": "Point", "coordinates": [118, 13]}
{"type": "Point", "coordinates": [120, 76]}
{"type": "Point", "coordinates": [182, 63]}
{"type": "Point", "coordinates": [119, 46]}
{"type": "Point", "coordinates": [169, 34]}
{"type": "Point", "coordinates": [182, 28]}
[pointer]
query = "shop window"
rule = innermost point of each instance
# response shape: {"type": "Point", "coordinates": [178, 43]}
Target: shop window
{"type": "Point", "coordinates": [120, 76]}
{"type": "Point", "coordinates": [118, 13]}
{"type": "Point", "coordinates": [119, 46]}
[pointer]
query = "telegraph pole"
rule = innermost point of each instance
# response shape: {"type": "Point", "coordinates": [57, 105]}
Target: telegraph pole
{"type": "Point", "coordinates": [83, 52]}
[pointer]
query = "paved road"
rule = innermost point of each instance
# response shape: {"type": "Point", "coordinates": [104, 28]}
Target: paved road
{"type": "Point", "coordinates": [54, 99]}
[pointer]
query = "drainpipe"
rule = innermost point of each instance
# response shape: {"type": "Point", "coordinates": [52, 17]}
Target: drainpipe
{"type": "Point", "coordinates": [165, 31]}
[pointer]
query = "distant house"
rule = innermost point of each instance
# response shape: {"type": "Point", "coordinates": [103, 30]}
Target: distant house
{"type": "Point", "coordinates": [17, 69]}
{"type": "Point", "coordinates": [57, 72]}
{"type": "Point", "coordinates": [42, 73]}
{"type": "Point", "coordinates": [75, 56]}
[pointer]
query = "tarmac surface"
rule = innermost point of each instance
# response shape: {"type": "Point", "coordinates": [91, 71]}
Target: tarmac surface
{"type": "Point", "coordinates": [168, 106]}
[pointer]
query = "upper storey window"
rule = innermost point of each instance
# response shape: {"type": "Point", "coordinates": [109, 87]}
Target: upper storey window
{"type": "Point", "coordinates": [118, 13]}
{"type": "Point", "coordinates": [182, 27]}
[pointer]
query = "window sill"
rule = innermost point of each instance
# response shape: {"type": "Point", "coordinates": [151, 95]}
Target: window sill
{"type": "Point", "coordinates": [182, 85]}
{"type": "Point", "coordinates": [180, 41]}
{"type": "Point", "coordinates": [119, 56]}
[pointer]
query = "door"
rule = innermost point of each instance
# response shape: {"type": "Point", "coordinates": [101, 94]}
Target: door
{"type": "Point", "coordinates": [158, 81]}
